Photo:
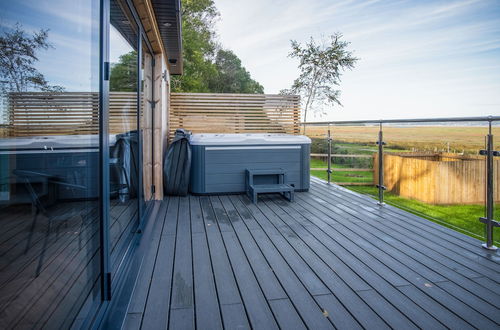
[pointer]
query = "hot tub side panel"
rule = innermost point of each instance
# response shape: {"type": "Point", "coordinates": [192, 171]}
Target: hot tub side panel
{"type": "Point", "coordinates": [221, 169]}
{"type": "Point", "coordinates": [197, 175]}
{"type": "Point", "coordinates": [305, 167]}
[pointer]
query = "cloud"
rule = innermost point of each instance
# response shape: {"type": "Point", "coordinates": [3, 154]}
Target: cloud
{"type": "Point", "coordinates": [435, 57]}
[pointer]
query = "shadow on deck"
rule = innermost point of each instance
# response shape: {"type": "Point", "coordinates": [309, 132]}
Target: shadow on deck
{"type": "Point", "coordinates": [333, 258]}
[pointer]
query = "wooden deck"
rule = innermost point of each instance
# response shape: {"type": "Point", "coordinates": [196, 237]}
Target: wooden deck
{"type": "Point", "coordinates": [331, 259]}
{"type": "Point", "coordinates": [45, 282]}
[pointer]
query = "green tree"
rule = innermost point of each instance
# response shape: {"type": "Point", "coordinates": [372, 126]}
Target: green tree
{"type": "Point", "coordinates": [231, 77]}
{"type": "Point", "coordinates": [208, 67]}
{"type": "Point", "coordinates": [321, 66]}
{"type": "Point", "coordinates": [18, 55]}
{"type": "Point", "coordinates": [123, 75]}
{"type": "Point", "coordinates": [199, 46]}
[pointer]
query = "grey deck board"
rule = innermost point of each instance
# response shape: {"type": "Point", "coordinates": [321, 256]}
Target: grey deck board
{"type": "Point", "coordinates": [452, 272]}
{"type": "Point", "coordinates": [434, 308]}
{"type": "Point", "coordinates": [410, 240]}
{"type": "Point", "coordinates": [331, 259]}
{"type": "Point", "coordinates": [182, 297]}
{"type": "Point", "coordinates": [393, 317]}
{"type": "Point", "coordinates": [207, 309]}
{"type": "Point", "coordinates": [335, 275]}
{"type": "Point", "coordinates": [227, 289]}
{"type": "Point", "coordinates": [207, 304]}
{"type": "Point", "coordinates": [438, 295]}
{"type": "Point", "coordinates": [53, 297]}
{"type": "Point", "coordinates": [258, 309]}
{"type": "Point", "coordinates": [393, 212]}
{"type": "Point", "coordinates": [141, 289]}
{"type": "Point", "coordinates": [311, 281]}
{"type": "Point", "coordinates": [286, 315]}
{"type": "Point", "coordinates": [464, 246]}
{"type": "Point", "coordinates": [448, 272]}
{"type": "Point", "coordinates": [488, 284]}
{"type": "Point", "coordinates": [182, 283]}
{"type": "Point", "coordinates": [233, 316]}
{"type": "Point", "coordinates": [263, 272]}
{"type": "Point", "coordinates": [157, 306]}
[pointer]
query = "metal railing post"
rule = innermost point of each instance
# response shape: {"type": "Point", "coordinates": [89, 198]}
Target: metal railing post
{"type": "Point", "coordinates": [489, 222]}
{"type": "Point", "coordinates": [329, 161]}
{"type": "Point", "coordinates": [380, 184]}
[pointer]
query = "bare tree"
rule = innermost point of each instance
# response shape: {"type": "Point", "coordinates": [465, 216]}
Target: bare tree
{"type": "Point", "coordinates": [321, 66]}
{"type": "Point", "coordinates": [18, 55]}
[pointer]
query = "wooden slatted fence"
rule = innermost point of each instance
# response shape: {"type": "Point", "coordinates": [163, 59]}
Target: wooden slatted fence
{"type": "Point", "coordinates": [68, 113]}
{"type": "Point", "coordinates": [234, 113]}
{"type": "Point", "coordinates": [437, 178]}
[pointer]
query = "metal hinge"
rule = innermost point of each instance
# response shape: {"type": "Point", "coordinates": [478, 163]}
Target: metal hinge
{"type": "Point", "coordinates": [383, 187]}
{"type": "Point", "coordinates": [106, 70]}
{"type": "Point", "coordinates": [108, 286]}
{"type": "Point", "coordinates": [153, 104]}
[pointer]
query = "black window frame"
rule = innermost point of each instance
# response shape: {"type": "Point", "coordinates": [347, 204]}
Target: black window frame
{"type": "Point", "coordinates": [107, 288]}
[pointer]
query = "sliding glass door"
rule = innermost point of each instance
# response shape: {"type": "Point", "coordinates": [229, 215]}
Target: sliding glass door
{"type": "Point", "coordinates": [72, 182]}
{"type": "Point", "coordinates": [124, 154]}
{"type": "Point", "coordinates": [49, 162]}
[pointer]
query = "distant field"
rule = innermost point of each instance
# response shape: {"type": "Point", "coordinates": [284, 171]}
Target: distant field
{"type": "Point", "coordinates": [418, 138]}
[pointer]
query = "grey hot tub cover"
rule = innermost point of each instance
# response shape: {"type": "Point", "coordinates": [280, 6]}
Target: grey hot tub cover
{"type": "Point", "coordinates": [177, 164]}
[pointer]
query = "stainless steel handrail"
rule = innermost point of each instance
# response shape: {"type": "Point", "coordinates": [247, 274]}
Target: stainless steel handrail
{"type": "Point", "coordinates": [488, 220]}
{"type": "Point", "coordinates": [400, 121]}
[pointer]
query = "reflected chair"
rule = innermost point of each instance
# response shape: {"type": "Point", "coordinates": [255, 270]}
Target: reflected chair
{"type": "Point", "coordinates": [28, 177]}
{"type": "Point", "coordinates": [119, 180]}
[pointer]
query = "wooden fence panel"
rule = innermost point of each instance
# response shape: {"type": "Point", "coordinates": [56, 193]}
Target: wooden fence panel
{"type": "Point", "coordinates": [234, 113]}
{"type": "Point", "coordinates": [68, 113]}
{"type": "Point", "coordinates": [437, 179]}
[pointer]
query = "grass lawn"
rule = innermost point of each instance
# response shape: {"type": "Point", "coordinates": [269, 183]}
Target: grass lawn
{"type": "Point", "coordinates": [463, 218]}
{"type": "Point", "coordinates": [340, 176]}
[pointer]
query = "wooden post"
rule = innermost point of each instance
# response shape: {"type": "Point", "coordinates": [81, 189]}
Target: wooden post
{"type": "Point", "coordinates": [160, 98]}
{"type": "Point", "coordinates": [147, 127]}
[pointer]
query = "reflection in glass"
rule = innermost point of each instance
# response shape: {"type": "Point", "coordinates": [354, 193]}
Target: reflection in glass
{"type": "Point", "coordinates": [124, 138]}
{"type": "Point", "coordinates": [147, 123]}
{"type": "Point", "coordinates": [49, 242]}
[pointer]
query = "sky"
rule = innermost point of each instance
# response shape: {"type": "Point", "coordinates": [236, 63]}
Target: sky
{"type": "Point", "coordinates": [73, 27]}
{"type": "Point", "coordinates": [417, 58]}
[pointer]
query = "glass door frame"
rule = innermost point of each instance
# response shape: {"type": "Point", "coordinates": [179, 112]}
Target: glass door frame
{"type": "Point", "coordinates": [104, 75]}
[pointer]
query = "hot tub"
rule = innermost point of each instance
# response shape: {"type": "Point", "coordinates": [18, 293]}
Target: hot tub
{"type": "Point", "coordinates": [72, 159]}
{"type": "Point", "coordinates": [219, 160]}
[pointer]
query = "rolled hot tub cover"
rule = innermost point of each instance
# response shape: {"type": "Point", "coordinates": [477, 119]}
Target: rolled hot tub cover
{"type": "Point", "coordinates": [177, 165]}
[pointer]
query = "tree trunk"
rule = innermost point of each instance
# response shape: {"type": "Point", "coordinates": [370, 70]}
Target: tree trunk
{"type": "Point", "coordinates": [305, 112]}
{"type": "Point", "coordinates": [310, 93]}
